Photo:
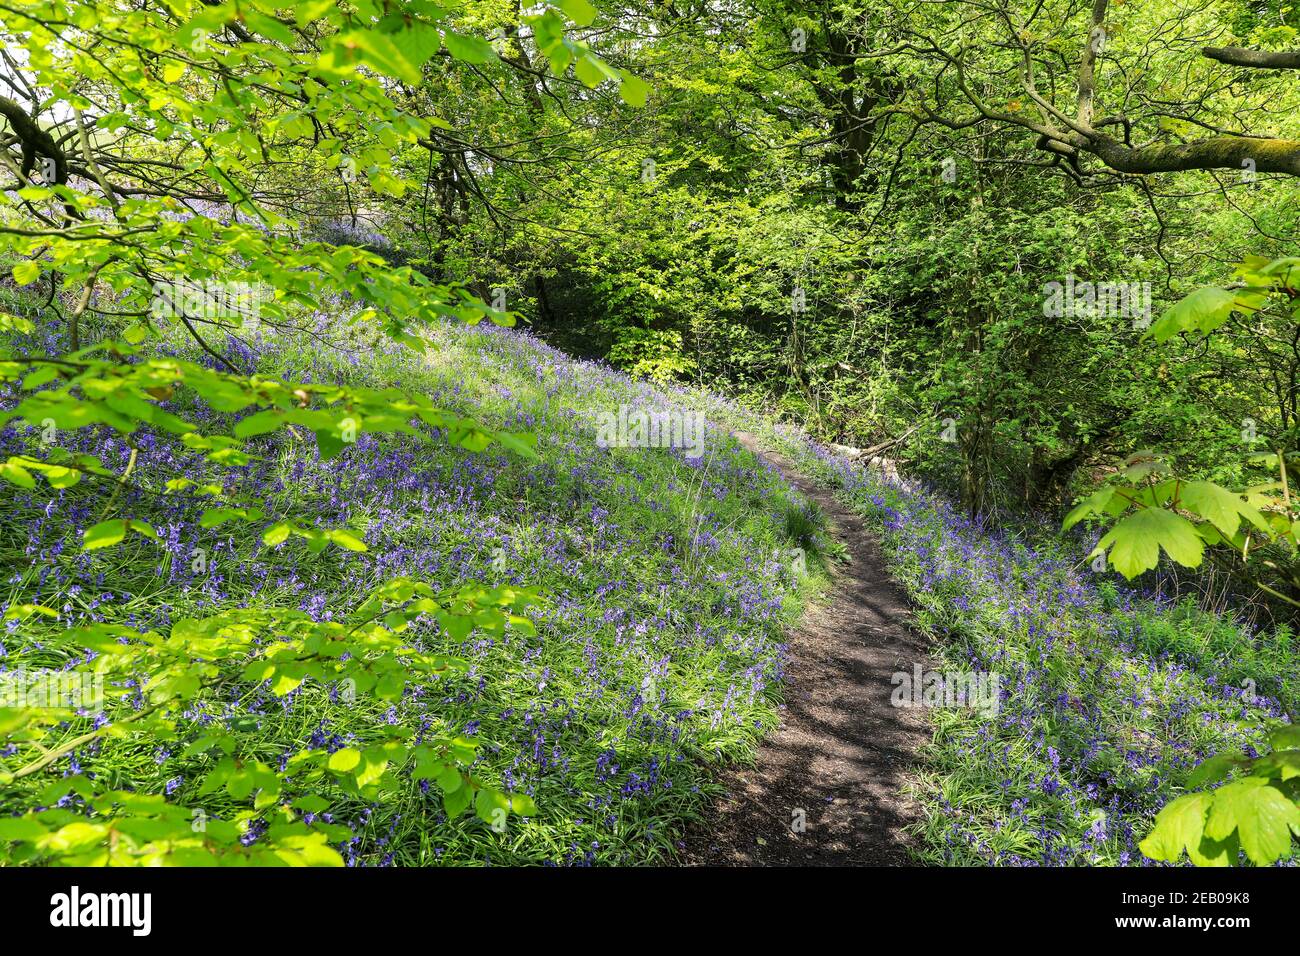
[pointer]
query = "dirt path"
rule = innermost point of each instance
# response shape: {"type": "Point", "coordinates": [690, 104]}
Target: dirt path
{"type": "Point", "coordinates": [842, 754]}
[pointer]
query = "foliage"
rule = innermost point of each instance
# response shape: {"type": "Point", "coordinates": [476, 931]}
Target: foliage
{"type": "Point", "coordinates": [151, 168]}
{"type": "Point", "coordinates": [1156, 511]}
{"type": "Point", "coordinates": [1256, 814]}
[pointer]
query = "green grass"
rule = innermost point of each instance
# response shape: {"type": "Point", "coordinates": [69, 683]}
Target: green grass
{"type": "Point", "coordinates": [658, 655]}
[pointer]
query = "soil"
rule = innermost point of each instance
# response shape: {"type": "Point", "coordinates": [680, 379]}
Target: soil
{"type": "Point", "coordinates": [843, 753]}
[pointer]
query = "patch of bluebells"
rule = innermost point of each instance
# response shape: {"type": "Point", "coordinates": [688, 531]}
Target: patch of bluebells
{"type": "Point", "coordinates": [661, 641]}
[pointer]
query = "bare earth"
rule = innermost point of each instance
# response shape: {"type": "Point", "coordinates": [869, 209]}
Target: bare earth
{"type": "Point", "coordinates": [842, 754]}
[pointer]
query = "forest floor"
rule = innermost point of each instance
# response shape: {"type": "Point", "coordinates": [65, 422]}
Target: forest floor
{"type": "Point", "coordinates": [843, 754]}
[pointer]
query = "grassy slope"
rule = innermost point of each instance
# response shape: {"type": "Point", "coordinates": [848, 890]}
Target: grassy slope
{"type": "Point", "coordinates": [660, 652]}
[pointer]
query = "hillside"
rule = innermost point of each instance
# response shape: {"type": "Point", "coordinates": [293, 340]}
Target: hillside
{"type": "Point", "coordinates": [665, 581]}
{"type": "Point", "coordinates": [669, 579]}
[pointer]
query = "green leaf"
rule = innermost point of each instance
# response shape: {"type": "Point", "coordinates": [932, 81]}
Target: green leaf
{"type": "Point", "coordinates": [20, 612]}
{"type": "Point", "coordinates": [523, 444]}
{"type": "Point", "coordinates": [141, 528]}
{"type": "Point", "coordinates": [328, 442]}
{"type": "Point", "coordinates": [215, 517]}
{"type": "Point", "coordinates": [579, 11]}
{"type": "Point", "coordinates": [456, 801]}
{"type": "Point", "coordinates": [60, 477]}
{"type": "Point", "coordinates": [379, 52]}
{"type": "Point", "coordinates": [1094, 503]}
{"type": "Point", "coordinates": [259, 423]}
{"type": "Point", "coordinates": [1285, 737]}
{"type": "Point", "coordinates": [491, 806]}
{"type": "Point", "coordinates": [523, 805]}
{"type": "Point", "coordinates": [1179, 827]}
{"type": "Point", "coordinates": [1136, 540]}
{"type": "Point", "coordinates": [1261, 815]}
{"type": "Point", "coordinates": [26, 271]}
{"type": "Point", "coordinates": [469, 49]}
{"type": "Point", "coordinates": [450, 779]}
{"type": "Point", "coordinates": [634, 90]}
{"type": "Point", "coordinates": [16, 474]}
{"type": "Point", "coordinates": [343, 761]}
{"type": "Point", "coordinates": [310, 10]}
{"type": "Point", "coordinates": [1201, 311]}
{"type": "Point", "coordinates": [1214, 769]}
{"type": "Point", "coordinates": [312, 803]}
{"type": "Point", "coordinates": [275, 534]}
{"type": "Point", "coordinates": [285, 683]}
{"type": "Point", "coordinates": [588, 71]}
{"type": "Point", "coordinates": [346, 539]}
{"type": "Point", "coordinates": [418, 42]}
{"type": "Point", "coordinates": [1219, 506]}
{"type": "Point", "coordinates": [20, 828]}
{"type": "Point", "coordinates": [1283, 764]}
{"type": "Point", "coordinates": [104, 535]}
{"type": "Point", "coordinates": [375, 765]}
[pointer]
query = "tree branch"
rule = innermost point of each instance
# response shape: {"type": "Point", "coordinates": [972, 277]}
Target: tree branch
{"type": "Point", "coordinates": [1254, 59]}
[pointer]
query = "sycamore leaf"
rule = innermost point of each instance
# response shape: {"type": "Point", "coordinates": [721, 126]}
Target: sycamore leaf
{"type": "Point", "coordinates": [492, 806]}
{"type": "Point", "coordinates": [521, 443]}
{"type": "Point", "coordinates": [312, 10]}
{"type": "Point", "coordinates": [1283, 764]}
{"type": "Point", "coordinates": [16, 474]}
{"type": "Point", "coordinates": [259, 423]}
{"type": "Point", "coordinates": [588, 71]}
{"type": "Point", "coordinates": [1097, 501]}
{"type": "Point", "coordinates": [454, 802]}
{"type": "Point", "coordinates": [1216, 768]}
{"type": "Point", "coordinates": [285, 683]}
{"type": "Point", "coordinates": [346, 539]}
{"type": "Point", "coordinates": [523, 805]}
{"type": "Point", "coordinates": [1219, 506]}
{"type": "Point", "coordinates": [20, 612]}
{"type": "Point", "coordinates": [376, 50]}
{"type": "Point", "coordinates": [634, 90]}
{"type": "Point", "coordinates": [141, 527]}
{"type": "Point", "coordinates": [1262, 816]}
{"type": "Point", "coordinates": [1179, 825]}
{"type": "Point", "coordinates": [1285, 737]}
{"type": "Point", "coordinates": [344, 760]}
{"type": "Point", "coordinates": [21, 828]}
{"type": "Point", "coordinates": [373, 769]}
{"type": "Point", "coordinates": [276, 533]}
{"type": "Point", "coordinates": [1136, 540]}
{"type": "Point", "coordinates": [417, 43]}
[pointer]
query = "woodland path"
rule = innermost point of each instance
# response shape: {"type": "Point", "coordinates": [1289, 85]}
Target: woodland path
{"type": "Point", "coordinates": [842, 754]}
